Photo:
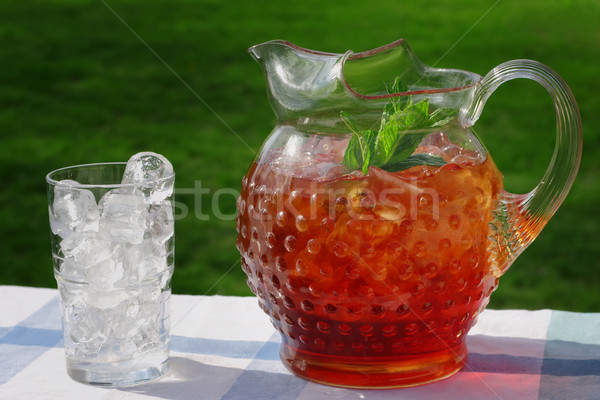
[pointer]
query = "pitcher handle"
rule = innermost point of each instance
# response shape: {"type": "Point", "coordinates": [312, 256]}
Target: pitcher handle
{"type": "Point", "coordinates": [520, 218]}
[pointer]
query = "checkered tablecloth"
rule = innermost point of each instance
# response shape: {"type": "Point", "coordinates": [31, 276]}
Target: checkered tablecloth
{"type": "Point", "coordinates": [225, 348]}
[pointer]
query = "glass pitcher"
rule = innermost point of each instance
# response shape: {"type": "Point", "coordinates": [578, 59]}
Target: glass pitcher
{"type": "Point", "coordinates": [373, 226]}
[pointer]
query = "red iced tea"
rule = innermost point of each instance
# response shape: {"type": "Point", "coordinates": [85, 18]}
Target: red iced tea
{"type": "Point", "coordinates": [373, 281]}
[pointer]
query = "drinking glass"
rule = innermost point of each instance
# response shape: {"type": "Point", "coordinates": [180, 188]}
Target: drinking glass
{"type": "Point", "coordinates": [112, 249]}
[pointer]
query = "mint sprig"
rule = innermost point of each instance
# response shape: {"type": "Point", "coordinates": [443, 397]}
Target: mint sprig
{"type": "Point", "coordinates": [391, 148]}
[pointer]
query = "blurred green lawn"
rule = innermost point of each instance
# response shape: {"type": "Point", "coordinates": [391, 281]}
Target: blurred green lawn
{"type": "Point", "coordinates": [78, 86]}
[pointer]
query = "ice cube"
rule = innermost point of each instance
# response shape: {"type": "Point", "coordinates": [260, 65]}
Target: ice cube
{"type": "Point", "coordinates": [432, 151]}
{"type": "Point", "coordinates": [73, 209]}
{"type": "Point", "coordinates": [438, 144]}
{"type": "Point", "coordinates": [328, 170]}
{"type": "Point", "coordinates": [123, 216]}
{"type": "Point", "coordinates": [72, 270]}
{"type": "Point", "coordinates": [140, 315]}
{"type": "Point", "coordinates": [301, 165]}
{"type": "Point", "coordinates": [105, 274]}
{"type": "Point", "coordinates": [87, 333]}
{"type": "Point", "coordinates": [148, 335]}
{"type": "Point", "coordinates": [160, 221]}
{"type": "Point", "coordinates": [86, 248]}
{"type": "Point", "coordinates": [468, 157]}
{"type": "Point", "coordinates": [331, 150]}
{"type": "Point", "coordinates": [144, 261]}
{"type": "Point", "coordinates": [71, 297]}
{"type": "Point", "coordinates": [103, 299]}
{"type": "Point", "coordinates": [153, 173]}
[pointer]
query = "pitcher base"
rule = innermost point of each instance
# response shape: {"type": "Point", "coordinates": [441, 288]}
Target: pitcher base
{"type": "Point", "coordinates": [374, 373]}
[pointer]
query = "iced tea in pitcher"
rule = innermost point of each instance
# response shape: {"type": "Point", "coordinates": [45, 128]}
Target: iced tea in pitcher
{"type": "Point", "coordinates": [358, 268]}
{"type": "Point", "coordinates": [373, 225]}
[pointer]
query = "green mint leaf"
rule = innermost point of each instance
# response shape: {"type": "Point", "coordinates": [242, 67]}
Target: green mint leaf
{"type": "Point", "coordinates": [400, 102]}
{"type": "Point", "coordinates": [369, 141]}
{"type": "Point", "coordinates": [360, 147]}
{"type": "Point", "coordinates": [414, 116]}
{"type": "Point", "coordinates": [352, 158]}
{"type": "Point", "coordinates": [393, 142]}
{"type": "Point", "coordinates": [441, 117]}
{"type": "Point", "coordinates": [392, 146]}
{"type": "Point", "coordinates": [350, 122]}
{"type": "Point", "coordinates": [403, 148]}
{"type": "Point", "coordinates": [388, 111]}
{"type": "Point", "coordinates": [386, 141]}
{"type": "Point", "coordinates": [414, 160]}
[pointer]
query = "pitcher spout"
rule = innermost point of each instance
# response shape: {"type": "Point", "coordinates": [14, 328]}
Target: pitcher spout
{"type": "Point", "coordinates": [299, 81]}
{"type": "Point", "coordinates": [302, 82]}
{"type": "Point", "coordinates": [268, 50]}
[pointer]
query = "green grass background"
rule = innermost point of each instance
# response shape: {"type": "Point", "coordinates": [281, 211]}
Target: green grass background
{"type": "Point", "coordinates": [78, 86]}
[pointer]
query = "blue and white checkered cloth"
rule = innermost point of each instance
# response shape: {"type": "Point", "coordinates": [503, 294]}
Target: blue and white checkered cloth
{"type": "Point", "coordinates": [225, 348]}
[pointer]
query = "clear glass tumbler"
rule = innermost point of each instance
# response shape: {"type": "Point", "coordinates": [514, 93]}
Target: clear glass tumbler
{"type": "Point", "coordinates": [113, 252]}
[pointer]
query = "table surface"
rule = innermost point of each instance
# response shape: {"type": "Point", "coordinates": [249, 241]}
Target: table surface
{"type": "Point", "coordinates": [226, 348]}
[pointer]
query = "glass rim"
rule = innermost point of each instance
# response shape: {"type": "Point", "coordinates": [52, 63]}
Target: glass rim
{"type": "Point", "coordinates": [54, 182]}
